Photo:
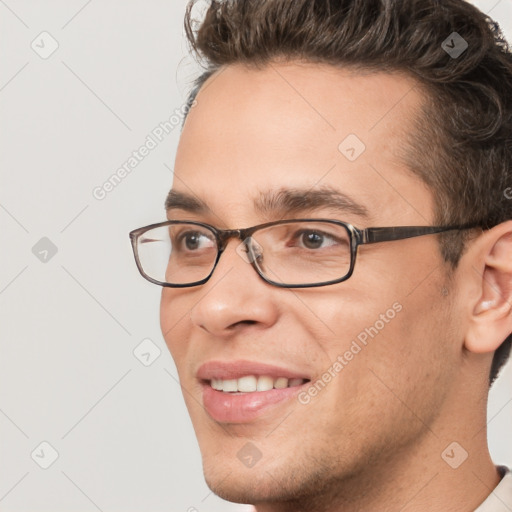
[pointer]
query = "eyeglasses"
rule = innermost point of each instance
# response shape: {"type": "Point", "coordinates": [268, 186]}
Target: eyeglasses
{"type": "Point", "coordinates": [298, 253]}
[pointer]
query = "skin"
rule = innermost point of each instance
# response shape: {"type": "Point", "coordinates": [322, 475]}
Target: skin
{"type": "Point", "coordinates": [372, 439]}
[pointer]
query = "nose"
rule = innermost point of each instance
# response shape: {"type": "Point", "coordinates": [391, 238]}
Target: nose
{"type": "Point", "coordinates": [235, 297]}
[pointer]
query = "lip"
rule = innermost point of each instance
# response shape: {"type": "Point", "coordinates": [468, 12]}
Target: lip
{"type": "Point", "coordinates": [244, 407]}
{"type": "Point", "coordinates": [235, 369]}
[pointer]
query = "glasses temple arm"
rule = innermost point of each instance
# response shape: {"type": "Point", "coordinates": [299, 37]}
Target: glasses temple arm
{"type": "Point", "coordinates": [375, 235]}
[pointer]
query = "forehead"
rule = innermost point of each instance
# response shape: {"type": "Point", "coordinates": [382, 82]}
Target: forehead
{"type": "Point", "coordinates": [303, 126]}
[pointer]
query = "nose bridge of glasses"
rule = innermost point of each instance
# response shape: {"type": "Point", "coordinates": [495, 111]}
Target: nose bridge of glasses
{"type": "Point", "coordinates": [223, 237]}
{"type": "Point", "coordinates": [247, 249]}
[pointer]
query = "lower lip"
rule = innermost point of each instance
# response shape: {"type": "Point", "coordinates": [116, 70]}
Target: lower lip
{"type": "Point", "coordinates": [243, 407]}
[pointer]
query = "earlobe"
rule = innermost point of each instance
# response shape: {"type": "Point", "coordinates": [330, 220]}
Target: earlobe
{"type": "Point", "coordinates": [491, 318]}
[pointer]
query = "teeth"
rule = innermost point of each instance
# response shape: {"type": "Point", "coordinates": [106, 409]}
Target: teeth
{"type": "Point", "coordinates": [216, 384]}
{"type": "Point", "coordinates": [252, 383]}
{"type": "Point", "coordinates": [265, 383]}
{"type": "Point", "coordinates": [230, 385]}
{"type": "Point", "coordinates": [247, 384]}
{"type": "Point", "coordinates": [281, 383]}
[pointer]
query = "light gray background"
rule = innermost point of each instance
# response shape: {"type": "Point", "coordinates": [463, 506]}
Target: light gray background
{"type": "Point", "coordinates": [69, 325]}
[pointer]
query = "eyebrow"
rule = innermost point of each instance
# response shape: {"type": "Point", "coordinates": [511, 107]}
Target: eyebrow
{"type": "Point", "coordinates": [182, 201]}
{"type": "Point", "coordinates": [278, 203]}
{"type": "Point", "coordinates": [294, 200]}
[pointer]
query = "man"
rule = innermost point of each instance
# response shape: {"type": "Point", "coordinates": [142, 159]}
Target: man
{"type": "Point", "coordinates": [327, 365]}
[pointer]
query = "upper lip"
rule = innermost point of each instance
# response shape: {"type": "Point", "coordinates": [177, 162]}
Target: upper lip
{"type": "Point", "coordinates": [226, 370]}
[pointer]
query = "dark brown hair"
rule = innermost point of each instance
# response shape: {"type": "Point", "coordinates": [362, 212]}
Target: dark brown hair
{"type": "Point", "coordinates": [461, 146]}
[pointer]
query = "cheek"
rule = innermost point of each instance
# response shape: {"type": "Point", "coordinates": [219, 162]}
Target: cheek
{"type": "Point", "coordinates": [338, 318]}
{"type": "Point", "coordinates": [173, 321]}
{"type": "Point", "coordinates": [399, 372]}
{"type": "Point", "coordinates": [414, 358]}
{"type": "Point", "coordinates": [391, 338]}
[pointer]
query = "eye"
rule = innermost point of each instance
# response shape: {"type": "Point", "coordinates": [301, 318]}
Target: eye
{"type": "Point", "coordinates": [194, 240]}
{"type": "Point", "coordinates": [316, 239]}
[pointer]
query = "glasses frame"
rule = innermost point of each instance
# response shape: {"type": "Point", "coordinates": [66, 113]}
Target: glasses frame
{"type": "Point", "coordinates": [358, 237]}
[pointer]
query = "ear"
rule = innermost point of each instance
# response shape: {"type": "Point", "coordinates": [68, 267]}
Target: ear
{"type": "Point", "coordinates": [491, 317]}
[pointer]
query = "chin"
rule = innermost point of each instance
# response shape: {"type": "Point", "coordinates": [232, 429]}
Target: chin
{"type": "Point", "coordinates": [231, 480]}
{"type": "Point", "coordinates": [251, 487]}
{"type": "Point", "coordinates": [279, 480]}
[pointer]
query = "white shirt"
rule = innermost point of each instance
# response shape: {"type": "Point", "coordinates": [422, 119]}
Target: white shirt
{"type": "Point", "coordinates": [500, 499]}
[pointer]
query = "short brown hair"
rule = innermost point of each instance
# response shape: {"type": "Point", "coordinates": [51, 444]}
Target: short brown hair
{"type": "Point", "coordinates": [462, 145]}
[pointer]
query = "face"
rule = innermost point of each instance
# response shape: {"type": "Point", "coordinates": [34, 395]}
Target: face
{"type": "Point", "coordinates": [353, 354]}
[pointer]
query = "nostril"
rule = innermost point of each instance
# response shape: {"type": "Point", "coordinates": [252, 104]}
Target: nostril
{"type": "Point", "coordinates": [243, 322]}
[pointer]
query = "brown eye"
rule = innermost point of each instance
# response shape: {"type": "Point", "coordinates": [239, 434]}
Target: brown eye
{"type": "Point", "coordinates": [312, 240]}
{"type": "Point", "coordinates": [194, 241]}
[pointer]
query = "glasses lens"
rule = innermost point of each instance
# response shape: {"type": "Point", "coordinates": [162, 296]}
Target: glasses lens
{"type": "Point", "coordinates": [299, 253]}
{"type": "Point", "coordinates": [177, 253]}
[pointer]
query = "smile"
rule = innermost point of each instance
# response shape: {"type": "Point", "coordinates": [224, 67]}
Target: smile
{"type": "Point", "coordinates": [254, 383]}
{"type": "Point", "coordinates": [243, 391]}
